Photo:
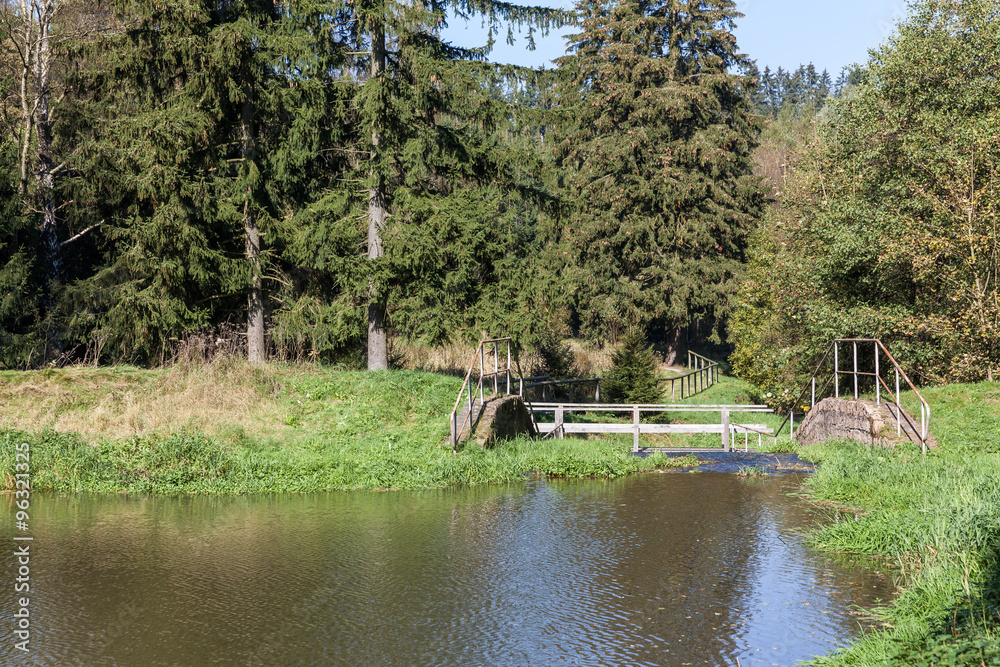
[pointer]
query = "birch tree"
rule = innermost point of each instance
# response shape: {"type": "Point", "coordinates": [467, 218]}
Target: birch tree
{"type": "Point", "coordinates": [36, 33]}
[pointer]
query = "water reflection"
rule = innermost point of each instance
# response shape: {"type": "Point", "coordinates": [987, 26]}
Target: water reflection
{"type": "Point", "coordinates": [648, 570]}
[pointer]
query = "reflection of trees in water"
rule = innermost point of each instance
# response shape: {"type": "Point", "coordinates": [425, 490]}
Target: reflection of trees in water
{"type": "Point", "coordinates": [530, 573]}
{"type": "Point", "coordinates": [692, 564]}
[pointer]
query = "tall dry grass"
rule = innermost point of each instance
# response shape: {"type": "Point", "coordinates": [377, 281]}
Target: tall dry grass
{"type": "Point", "coordinates": [122, 401]}
{"type": "Point", "coordinates": [454, 358]}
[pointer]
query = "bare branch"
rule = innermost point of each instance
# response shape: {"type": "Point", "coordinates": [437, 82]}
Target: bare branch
{"type": "Point", "coordinates": [77, 236]}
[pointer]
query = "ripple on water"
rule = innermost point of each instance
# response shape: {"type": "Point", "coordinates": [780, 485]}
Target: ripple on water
{"type": "Point", "coordinates": [649, 570]}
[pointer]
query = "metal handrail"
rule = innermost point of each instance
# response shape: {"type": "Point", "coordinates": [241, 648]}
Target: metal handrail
{"type": "Point", "coordinates": [925, 409]}
{"type": "Point", "coordinates": [479, 355]}
{"type": "Point", "coordinates": [561, 409]}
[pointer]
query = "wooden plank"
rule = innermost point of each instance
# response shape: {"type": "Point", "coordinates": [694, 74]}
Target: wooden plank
{"type": "Point", "coordinates": [586, 427]}
{"type": "Point", "coordinates": [647, 407]}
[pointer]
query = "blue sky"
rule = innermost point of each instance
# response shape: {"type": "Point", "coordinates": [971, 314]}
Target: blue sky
{"type": "Point", "coordinates": [775, 33]}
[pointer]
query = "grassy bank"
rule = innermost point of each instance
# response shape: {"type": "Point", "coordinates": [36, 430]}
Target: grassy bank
{"type": "Point", "coordinates": [229, 427]}
{"type": "Point", "coordinates": [936, 518]}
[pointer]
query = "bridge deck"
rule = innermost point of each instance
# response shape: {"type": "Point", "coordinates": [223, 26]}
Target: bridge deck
{"type": "Point", "coordinates": [726, 429]}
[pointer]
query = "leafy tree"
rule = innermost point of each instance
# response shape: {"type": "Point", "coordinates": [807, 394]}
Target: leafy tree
{"type": "Point", "coordinates": [889, 227]}
{"type": "Point", "coordinates": [656, 150]}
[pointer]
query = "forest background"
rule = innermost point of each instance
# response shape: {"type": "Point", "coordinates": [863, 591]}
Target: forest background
{"type": "Point", "coordinates": [315, 180]}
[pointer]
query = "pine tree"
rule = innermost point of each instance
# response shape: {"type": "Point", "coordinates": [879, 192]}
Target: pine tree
{"type": "Point", "coordinates": [658, 169]}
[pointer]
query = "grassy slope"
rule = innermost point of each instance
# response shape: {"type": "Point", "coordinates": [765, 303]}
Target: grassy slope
{"type": "Point", "coordinates": [937, 518]}
{"type": "Point", "coordinates": [232, 428]}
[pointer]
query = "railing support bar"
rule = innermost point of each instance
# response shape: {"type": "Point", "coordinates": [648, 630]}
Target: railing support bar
{"type": "Point", "coordinates": [855, 371]}
{"type": "Point", "coordinates": [899, 407]}
{"type": "Point", "coordinates": [836, 370]}
{"type": "Point", "coordinates": [635, 428]}
{"type": "Point", "coordinates": [725, 430]}
{"type": "Point", "coordinates": [878, 379]}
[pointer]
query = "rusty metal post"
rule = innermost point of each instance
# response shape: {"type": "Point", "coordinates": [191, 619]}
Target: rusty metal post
{"type": "Point", "coordinates": [836, 370]}
{"type": "Point", "coordinates": [855, 370]}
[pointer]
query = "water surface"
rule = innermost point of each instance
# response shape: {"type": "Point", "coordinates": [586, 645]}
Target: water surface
{"type": "Point", "coordinates": [671, 569]}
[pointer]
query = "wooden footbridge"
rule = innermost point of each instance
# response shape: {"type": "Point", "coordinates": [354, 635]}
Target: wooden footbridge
{"type": "Point", "coordinates": [496, 373]}
{"type": "Point", "coordinates": [727, 428]}
{"type": "Point", "coordinates": [731, 422]}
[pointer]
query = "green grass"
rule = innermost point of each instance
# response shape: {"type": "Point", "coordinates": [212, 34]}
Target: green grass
{"type": "Point", "coordinates": [245, 430]}
{"type": "Point", "coordinates": [936, 518]}
{"type": "Point", "coordinates": [727, 391]}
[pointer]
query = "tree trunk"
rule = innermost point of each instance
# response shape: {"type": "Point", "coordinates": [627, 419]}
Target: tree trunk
{"type": "Point", "coordinates": [45, 193]}
{"type": "Point", "coordinates": [255, 293]}
{"type": "Point", "coordinates": [378, 357]}
{"type": "Point", "coordinates": [674, 342]}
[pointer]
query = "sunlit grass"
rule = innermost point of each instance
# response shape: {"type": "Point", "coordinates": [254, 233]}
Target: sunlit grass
{"type": "Point", "coordinates": [234, 428]}
{"type": "Point", "coordinates": [936, 518]}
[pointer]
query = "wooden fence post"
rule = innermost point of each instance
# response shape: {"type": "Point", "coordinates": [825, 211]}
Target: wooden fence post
{"type": "Point", "coordinates": [635, 428]}
{"type": "Point", "coordinates": [725, 429]}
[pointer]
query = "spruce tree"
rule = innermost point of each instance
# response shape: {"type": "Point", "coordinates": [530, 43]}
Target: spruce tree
{"type": "Point", "coordinates": [657, 158]}
{"type": "Point", "coordinates": [20, 300]}
{"type": "Point", "coordinates": [435, 172]}
{"type": "Point", "coordinates": [189, 130]}
{"type": "Point", "coordinates": [632, 378]}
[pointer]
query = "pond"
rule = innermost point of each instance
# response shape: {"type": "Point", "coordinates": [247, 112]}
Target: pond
{"type": "Point", "coordinates": [658, 569]}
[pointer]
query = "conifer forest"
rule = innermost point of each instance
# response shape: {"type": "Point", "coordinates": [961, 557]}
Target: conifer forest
{"type": "Point", "coordinates": [321, 178]}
